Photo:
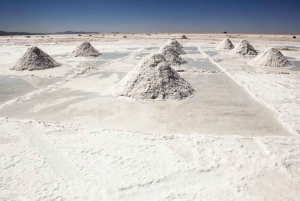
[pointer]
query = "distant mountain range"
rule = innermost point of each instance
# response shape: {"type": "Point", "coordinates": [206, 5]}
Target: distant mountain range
{"type": "Point", "coordinates": [76, 32]}
{"type": "Point", "coordinates": [4, 33]}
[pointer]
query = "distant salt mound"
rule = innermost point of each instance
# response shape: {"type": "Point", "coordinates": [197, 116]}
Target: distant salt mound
{"type": "Point", "coordinates": [173, 43]}
{"type": "Point", "coordinates": [270, 57]}
{"type": "Point", "coordinates": [154, 78]}
{"type": "Point", "coordinates": [244, 48]}
{"type": "Point", "coordinates": [171, 56]}
{"type": "Point", "coordinates": [85, 50]}
{"type": "Point", "coordinates": [183, 37]}
{"type": "Point", "coordinates": [35, 59]}
{"type": "Point", "coordinates": [226, 44]}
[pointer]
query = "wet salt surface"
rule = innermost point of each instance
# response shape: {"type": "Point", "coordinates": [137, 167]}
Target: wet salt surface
{"type": "Point", "coordinates": [190, 48]}
{"type": "Point", "coordinates": [95, 63]}
{"type": "Point", "coordinates": [132, 48]}
{"type": "Point", "coordinates": [293, 47]}
{"type": "Point", "coordinates": [199, 64]}
{"type": "Point", "coordinates": [14, 87]}
{"type": "Point", "coordinates": [142, 54]}
{"type": "Point", "coordinates": [296, 64]}
{"type": "Point", "coordinates": [152, 48]}
{"type": "Point", "coordinates": [114, 55]}
{"type": "Point", "coordinates": [211, 52]}
{"type": "Point", "coordinates": [219, 104]}
{"type": "Point", "coordinates": [60, 56]}
{"type": "Point", "coordinates": [105, 75]}
{"type": "Point", "coordinates": [105, 56]}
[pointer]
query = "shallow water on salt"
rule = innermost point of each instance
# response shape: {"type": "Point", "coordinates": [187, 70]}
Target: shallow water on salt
{"type": "Point", "coordinates": [152, 48]}
{"type": "Point", "coordinates": [211, 52]}
{"type": "Point", "coordinates": [142, 54]}
{"type": "Point", "coordinates": [296, 64]}
{"type": "Point", "coordinates": [219, 106]}
{"type": "Point", "coordinates": [198, 64]}
{"type": "Point", "coordinates": [15, 87]}
{"type": "Point", "coordinates": [114, 55]}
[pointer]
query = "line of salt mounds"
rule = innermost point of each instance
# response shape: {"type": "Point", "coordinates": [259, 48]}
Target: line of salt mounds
{"type": "Point", "coordinates": [154, 78]}
{"type": "Point", "coordinates": [85, 50]}
{"type": "Point", "coordinates": [271, 57]}
{"type": "Point", "coordinates": [244, 48]}
{"type": "Point", "coordinates": [171, 56]}
{"type": "Point", "coordinates": [173, 43]}
{"type": "Point", "coordinates": [226, 44]}
{"type": "Point", "coordinates": [35, 59]}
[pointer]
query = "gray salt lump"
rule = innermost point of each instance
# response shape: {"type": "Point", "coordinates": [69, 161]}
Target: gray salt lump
{"type": "Point", "coordinates": [244, 48]}
{"type": "Point", "coordinates": [171, 56]}
{"type": "Point", "coordinates": [173, 43]}
{"type": "Point", "coordinates": [35, 59]}
{"type": "Point", "coordinates": [226, 44]}
{"type": "Point", "coordinates": [85, 50]}
{"type": "Point", "coordinates": [271, 57]}
{"type": "Point", "coordinates": [154, 78]}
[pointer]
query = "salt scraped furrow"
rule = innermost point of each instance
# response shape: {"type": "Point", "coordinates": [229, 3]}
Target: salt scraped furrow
{"type": "Point", "coordinates": [64, 161]}
{"type": "Point", "coordinates": [58, 84]}
{"type": "Point", "coordinates": [261, 89]}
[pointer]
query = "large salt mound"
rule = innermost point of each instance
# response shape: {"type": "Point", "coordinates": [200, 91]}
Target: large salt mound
{"type": "Point", "coordinates": [85, 50]}
{"type": "Point", "coordinates": [270, 57]}
{"type": "Point", "coordinates": [244, 48]}
{"type": "Point", "coordinates": [226, 44]}
{"type": "Point", "coordinates": [173, 43]}
{"type": "Point", "coordinates": [154, 78]}
{"type": "Point", "coordinates": [171, 56]}
{"type": "Point", "coordinates": [35, 59]}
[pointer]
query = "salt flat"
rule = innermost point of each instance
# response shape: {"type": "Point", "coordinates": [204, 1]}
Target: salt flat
{"type": "Point", "coordinates": [65, 136]}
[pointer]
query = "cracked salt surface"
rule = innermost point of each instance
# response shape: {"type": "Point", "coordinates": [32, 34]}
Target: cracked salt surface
{"type": "Point", "coordinates": [52, 161]}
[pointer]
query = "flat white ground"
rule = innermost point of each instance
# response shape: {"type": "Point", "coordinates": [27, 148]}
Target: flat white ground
{"type": "Point", "coordinates": [65, 136]}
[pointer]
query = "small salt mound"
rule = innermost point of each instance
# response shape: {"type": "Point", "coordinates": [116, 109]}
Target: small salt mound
{"type": "Point", "coordinates": [183, 37]}
{"type": "Point", "coordinates": [171, 56]}
{"type": "Point", "coordinates": [244, 48]}
{"type": "Point", "coordinates": [85, 50]}
{"type": "Point", "coordinates": [35, 59]}
{"type": "Point", "coordinates": [173, 43]}
{"type": "Point", "coordinates": [226, 44]}
{"type": "Point", "coordinates": [270, 57]}
{"type": "Point", "coordinates": [154, 78]}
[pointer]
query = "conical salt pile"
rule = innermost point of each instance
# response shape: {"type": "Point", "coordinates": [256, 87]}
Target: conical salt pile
{"type": "Point", "coordinates": [35, 59]}
{"type": "Point", "coordinates": [85, 50]}
{"type": "Point", "coordinates": [173, 43]}
{"type": "Point", "coordinates": [154, 78]}
{"type": "Point", "coordinates": [244, 48]}
{"type": "Point", "coordinates": [226, 44]}
{"type": "Point", "coordinates": [270, 57]}
{"type": "Point", "coordinates": [183, 37]}
{"type": "Point", "coordinates": [171, 56]}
